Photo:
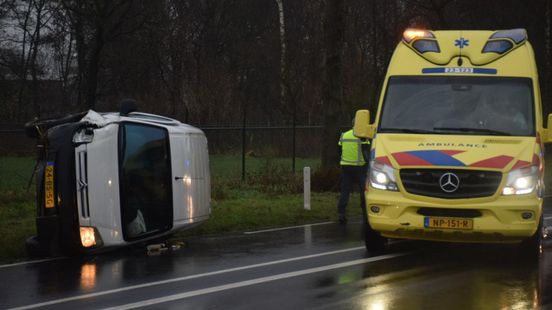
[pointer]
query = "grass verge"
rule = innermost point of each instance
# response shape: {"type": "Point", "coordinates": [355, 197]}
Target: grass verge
{"type": "Point", "coordinates": [17, 210]}
{"type": "Point", "coordinates": [270, 196]}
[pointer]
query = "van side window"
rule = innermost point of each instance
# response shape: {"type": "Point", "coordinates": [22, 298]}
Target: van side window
{"type": "Point", "coordinates": [145, 180]}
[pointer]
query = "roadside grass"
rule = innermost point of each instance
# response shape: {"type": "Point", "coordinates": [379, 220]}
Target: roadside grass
{"type": "Point", "coordinates": [229, 166]}
{"type": "Point", "coordinates": [251, 209]}
{"type": "Point", "coordinates": [17, 210]}
{"type": "Point", "coordinates": [271, 196]}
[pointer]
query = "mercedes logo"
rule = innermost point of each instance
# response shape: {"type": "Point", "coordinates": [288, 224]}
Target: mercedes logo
{"type": "Point", "coordinates": [449, 182]}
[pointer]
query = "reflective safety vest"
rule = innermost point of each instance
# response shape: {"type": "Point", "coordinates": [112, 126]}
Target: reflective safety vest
{"type": "Point", "coordinates": [351, 149]}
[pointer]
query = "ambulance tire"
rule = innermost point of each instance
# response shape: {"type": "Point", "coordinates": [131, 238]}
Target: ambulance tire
{"type": "Point", "coordinates": [35, 249]}
{"type": "Point", "coordinates": [532, 247]}
{"type": "Point", "coordinates": [374, 242]}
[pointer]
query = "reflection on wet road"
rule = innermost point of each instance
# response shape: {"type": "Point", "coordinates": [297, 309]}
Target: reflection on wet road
{"type": "Point", "coordinates": [322, 267]}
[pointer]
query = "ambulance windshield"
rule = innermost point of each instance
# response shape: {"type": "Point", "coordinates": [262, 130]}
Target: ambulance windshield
{"type": "Point", "coordinates": [458, 105]}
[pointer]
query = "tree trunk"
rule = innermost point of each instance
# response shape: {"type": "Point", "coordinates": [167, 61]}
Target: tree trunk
{"type": "Point", "coordinates": [332, 85]}
{"type": "Point", "coordinates": [93, 69]}
{"type": "Point", "coordinates": [282, 53]}
{"type": "Point", "coordinates": [24, 62]}
{"type": "Point", "coordinates": [81, 48]}
{"type": "Point", "coordinates": [33, 64]}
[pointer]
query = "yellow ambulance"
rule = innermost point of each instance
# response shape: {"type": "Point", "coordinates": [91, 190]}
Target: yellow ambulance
{"type": "Point", "coordinates": [457, 151]}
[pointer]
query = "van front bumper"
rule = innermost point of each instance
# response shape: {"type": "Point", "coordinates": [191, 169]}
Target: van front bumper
{"type": "Point", "coordinates": [497, 219]}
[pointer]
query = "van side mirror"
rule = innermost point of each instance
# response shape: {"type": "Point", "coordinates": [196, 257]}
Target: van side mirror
{"type": "Point", "coordinates": [363, 128]}
{"type": "Point", "coordinates": [547, 133]}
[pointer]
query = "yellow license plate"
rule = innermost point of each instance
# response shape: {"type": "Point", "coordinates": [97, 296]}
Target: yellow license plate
{"type": "Point", "coordinates": [448, 223]}
{"type": "Point", "coordinates": [49, 185]}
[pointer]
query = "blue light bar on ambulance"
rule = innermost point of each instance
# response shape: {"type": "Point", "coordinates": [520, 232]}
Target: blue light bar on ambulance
{"type": "Point", "coordinates": [498, 46]}
{"type": "Point", "coordinates": [517, 35]}
{"type": "Point", "coordinates": [411, 34]}
{"type": "Point", "coordinates": [423, 46]}
{"type": "Point", "coordinates": [502, 41]}
{"type": "Point", "coordinates": [421, 40]}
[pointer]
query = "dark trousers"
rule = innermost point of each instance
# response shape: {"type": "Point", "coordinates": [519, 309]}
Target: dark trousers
{"type": "Point", "coordinates": [351, 175]}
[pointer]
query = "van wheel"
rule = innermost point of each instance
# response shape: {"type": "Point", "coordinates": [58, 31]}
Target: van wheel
{"type": "Point", "coordinates": [374, 242]}
{"type": "Point", "coordinates": [532, 247]}
{"type": "Point", "coordinates": [35, 249]}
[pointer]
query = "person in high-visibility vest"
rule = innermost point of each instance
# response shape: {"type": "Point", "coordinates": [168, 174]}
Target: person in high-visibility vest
{"type": "Point", "coordinates": [354, 167]}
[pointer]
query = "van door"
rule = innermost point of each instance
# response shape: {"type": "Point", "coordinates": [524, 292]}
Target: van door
{"type": "Point", "coordinates": [191, 186]}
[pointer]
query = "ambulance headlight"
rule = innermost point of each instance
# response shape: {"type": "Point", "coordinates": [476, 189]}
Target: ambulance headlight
{"type": "Point", "coordinates": [521, 181]}
{"type": "Point", "coordinates": [382, 176]}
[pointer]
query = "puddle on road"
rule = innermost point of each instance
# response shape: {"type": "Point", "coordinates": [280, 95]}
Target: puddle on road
{"type": "Point", "coordinates": [445, 276]}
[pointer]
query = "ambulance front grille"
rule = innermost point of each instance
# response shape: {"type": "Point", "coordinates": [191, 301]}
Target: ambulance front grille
{"type": "Point", "coordinates": [471, 183]}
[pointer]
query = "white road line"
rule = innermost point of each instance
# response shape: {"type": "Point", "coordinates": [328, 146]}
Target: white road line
{"type": "Point", "coordinates": [284, 228]}
{"type": "Point", "coordinates": [195, 276]}
{"type": "Point", "coordinates": [33, 262]}
{"type": "Point", "coordinates": [214, 289]}
{"type": "Point", "coordinates": [548, 218]}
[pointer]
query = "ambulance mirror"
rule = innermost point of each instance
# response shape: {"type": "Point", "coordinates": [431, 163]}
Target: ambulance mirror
{"type": "Point", "coordinates": [547, 134]}
{"type": "Point", "coordinates": [362, 127]}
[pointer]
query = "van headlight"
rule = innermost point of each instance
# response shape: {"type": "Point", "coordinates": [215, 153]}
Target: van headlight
{"type": "Point", "coordinates": [382, 177]}
{"type": "Point", "coordinates": [85, 135]}
{"type": "Point", "coordinates": [90, 237]}
{"type": "Point", "coordinates": [521, 181]}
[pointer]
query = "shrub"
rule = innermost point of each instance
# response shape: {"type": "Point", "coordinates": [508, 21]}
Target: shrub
{"type": "Point", "coordinates": [273, 178]}
{"type": "Point", "coordinates": [326, 180]}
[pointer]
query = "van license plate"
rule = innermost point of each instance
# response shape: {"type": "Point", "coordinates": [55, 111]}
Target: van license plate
{"type": "Point", "coordinates": [49, 185]}
{"type": "Point", "coordinates": [448, 223]}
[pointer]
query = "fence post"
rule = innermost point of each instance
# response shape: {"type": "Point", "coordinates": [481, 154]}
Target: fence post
{"type": "Point", "coordinates": [306, 188]}
{"type": "Point", "coordinates": [243, 138]}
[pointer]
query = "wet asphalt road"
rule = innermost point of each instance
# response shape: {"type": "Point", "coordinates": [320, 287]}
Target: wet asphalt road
{"type": "Point", "coordinates": [313, 267]}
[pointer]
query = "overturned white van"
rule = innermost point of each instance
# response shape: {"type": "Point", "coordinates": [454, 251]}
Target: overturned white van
{"type": "Point", "coordinates": [113, 179]}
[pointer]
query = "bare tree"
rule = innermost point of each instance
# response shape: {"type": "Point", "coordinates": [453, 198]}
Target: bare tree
{"type": "Point", "coordinates": [332, 87]}
{"type": "Point", "coordinates": [96, 24]}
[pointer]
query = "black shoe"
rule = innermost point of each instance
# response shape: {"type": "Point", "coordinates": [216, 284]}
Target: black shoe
{"type": "Point", "coordinates": [342, 219]}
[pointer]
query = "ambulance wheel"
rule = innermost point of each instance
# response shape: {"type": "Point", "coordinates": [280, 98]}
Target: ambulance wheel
{"type": "Point", "coordinates": [34, 248]}
{"type": "Point", "coordinates": [532, 247]}
{"type": "Point", "coordinates": [374, 242]}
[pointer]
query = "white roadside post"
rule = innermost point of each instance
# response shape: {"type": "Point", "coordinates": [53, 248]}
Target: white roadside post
{"type": "Point", "coordinates": [306, 188]}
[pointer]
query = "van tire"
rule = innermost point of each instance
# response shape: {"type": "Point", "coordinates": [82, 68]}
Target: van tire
{"type": "Point", "coordinates": [532, 247]}
{"type": "Point", "coordinates": [34, 248]}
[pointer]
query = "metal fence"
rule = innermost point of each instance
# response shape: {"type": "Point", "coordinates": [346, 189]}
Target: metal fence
{"type": "Point", "coordinates": [256, 141]}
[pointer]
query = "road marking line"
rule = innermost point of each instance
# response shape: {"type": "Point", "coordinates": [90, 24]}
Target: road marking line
{"type": "Point", "coordinates": [214, 289]}
{"type": "Point", "coordinates": [133, 287]}
{"type": "Point", "coordinates": [33, 262]}
{"type": "Point", "coordinates": [284, 228]}
{"type": "Point", "coordinates": [548, 218]}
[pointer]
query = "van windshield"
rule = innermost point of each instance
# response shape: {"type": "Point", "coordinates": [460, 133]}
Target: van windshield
{"type": "Point", "coordinates": [145, 180]}
{"type": "Point", "coordinates": [458, 105]}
